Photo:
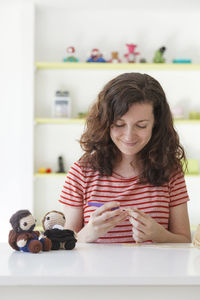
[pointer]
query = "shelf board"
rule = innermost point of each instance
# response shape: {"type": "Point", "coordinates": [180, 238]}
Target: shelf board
{"type": "Point", "coordinates": [115, 66]}
{"type": "Point", "coordinates": [82, 121]}
{"type": "Point", "coordinates": [59, 121]}
{"type": "Point", "coordinates": [192, 175]}
{"type": "Point", "coordinates": [187, 121]}
{"type": "Point", "coordinates": [49, 175]}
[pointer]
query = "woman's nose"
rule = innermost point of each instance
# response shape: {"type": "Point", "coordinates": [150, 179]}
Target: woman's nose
{"type": "Point", "coordinates": [129, 133]}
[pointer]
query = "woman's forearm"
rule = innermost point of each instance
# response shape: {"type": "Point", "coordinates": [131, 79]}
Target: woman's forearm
{"type": "Point", "coordinates": [85, 235]}
{"type": "Point", "coordinates": [169, 237]}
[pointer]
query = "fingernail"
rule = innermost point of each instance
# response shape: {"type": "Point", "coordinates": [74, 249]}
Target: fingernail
{"type": "Point", "coordinates": [114, 208]}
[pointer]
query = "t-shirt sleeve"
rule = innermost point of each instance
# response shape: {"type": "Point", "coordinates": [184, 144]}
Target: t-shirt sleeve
{"type": "Point", "coordinates": [73, 189]}
{"type": "Point", "coordinates": [177, 189]}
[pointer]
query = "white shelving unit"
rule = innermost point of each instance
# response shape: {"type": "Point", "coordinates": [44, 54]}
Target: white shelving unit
{"type": "Point", "coordinates": [55, 31]}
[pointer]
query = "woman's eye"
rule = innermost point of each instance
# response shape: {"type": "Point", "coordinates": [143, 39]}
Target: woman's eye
{"type": "Point", "coordinates": [118, 125]}
{"type": "Point", "coordinates": [142, 126]}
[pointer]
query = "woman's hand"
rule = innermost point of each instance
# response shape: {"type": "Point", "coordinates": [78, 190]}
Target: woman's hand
{"type": "Point", "coordinates": [144, 227]}
{"type": "Point", "coordinates": [101, 221]}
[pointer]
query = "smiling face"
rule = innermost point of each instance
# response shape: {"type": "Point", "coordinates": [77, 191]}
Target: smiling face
{"type": "Point", "coordinates": [133, 130]}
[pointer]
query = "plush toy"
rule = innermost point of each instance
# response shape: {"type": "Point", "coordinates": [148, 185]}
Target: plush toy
{"type": "Point", "coordinates": [22, 237]}
{"type": "Point", "coordinates": [115, 58]}
{"type": "Point", "coordinates": [131, 55]}
{"type": "Point", "coordinates": [53, 224]}
{"type": "Point", "coordinates": [71, 57]}
{"type": "Point", "coordinates": [158, 57]}
{"type": "Point", "coordinates": [96, 56]}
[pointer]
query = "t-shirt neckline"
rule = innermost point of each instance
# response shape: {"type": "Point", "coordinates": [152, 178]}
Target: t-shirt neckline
{"type": "Point", "coordinates": [115, 175]}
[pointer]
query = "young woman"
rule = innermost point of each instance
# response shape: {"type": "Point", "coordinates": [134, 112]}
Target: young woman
{"type": "Point", "coordinates": [131, 165]}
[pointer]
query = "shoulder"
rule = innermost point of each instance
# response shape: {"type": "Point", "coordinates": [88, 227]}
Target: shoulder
{"type": "Point", "coordinates": [81, 174]}
{"type": "Point", "coordinates": [177, 183]}
{"type": "Point", "coordinates": [82, 169]}
{"type": "Point", "coordinates": [176, 177]}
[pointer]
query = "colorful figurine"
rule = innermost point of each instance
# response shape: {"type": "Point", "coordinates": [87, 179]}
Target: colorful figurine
{"type": "Point", "coordinates": [71, 58]}
{"type": "Point", "coordinates": [82, 115]}
{"type": "Point", "coordinates": [22, 236]}
{"type": "Point", "coordinates": [115, 58]}
{"type": "Point", "coordinates": [53, 224]}
{"type": "Point", "coordinates": [41, 170]}
{"type": "Point", "coordinates": [96, 56]}
{"type": "Point", "coordinates": [131, 55]}
{"type": "Point", "coordinates": [158, 57]}
{"type": "Point", "coordinates": [44, 170]}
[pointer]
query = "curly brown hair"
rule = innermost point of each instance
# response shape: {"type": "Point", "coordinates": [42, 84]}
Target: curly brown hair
{"type": "Point", "coordinates": [162, 155]}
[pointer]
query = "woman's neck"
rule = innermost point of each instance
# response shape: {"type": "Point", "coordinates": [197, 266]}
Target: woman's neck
{"type": "Point", "coordinates": [127, 167]}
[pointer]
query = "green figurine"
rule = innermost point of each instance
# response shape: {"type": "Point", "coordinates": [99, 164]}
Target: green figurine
{"type": "Point", "coordinates": [158, 58]}
{"type": "Point", "coordinates": [70, 57]}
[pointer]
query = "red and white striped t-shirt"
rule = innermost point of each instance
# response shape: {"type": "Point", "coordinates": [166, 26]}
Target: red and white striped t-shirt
{"type": "Point", "coordinates": [83, 185]}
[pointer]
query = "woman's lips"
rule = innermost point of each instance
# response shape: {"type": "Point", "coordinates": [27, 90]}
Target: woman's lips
{"type": "Point", "coordinates": [129, 143]}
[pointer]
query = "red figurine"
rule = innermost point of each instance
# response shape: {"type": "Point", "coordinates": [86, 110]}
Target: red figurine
{"type": "Point", "coordinates": [131, 55]}
{"type": "Point", "coordinates": [96, 56]}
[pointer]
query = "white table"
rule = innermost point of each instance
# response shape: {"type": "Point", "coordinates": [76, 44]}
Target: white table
{"type": "Point", "coordinates": [92, 271]}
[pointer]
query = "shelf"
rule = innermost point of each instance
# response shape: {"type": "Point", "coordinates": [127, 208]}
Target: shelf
{"type": "Point", "coordinates": [82, 121]}
{"type": "Point", "coordinates": [192, 175]}
{"type": "Point", "coordinates": [115, 66]}
{"type": "Point", "coordinates": [49, 175]}
{"type": "Point", "coordinates": [59, 121]}
{"type": "Point", "coordinates": [187, 121]}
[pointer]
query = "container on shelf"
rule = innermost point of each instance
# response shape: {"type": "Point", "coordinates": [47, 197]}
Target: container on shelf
{"type": "Point", "coordinates": [62, 105]}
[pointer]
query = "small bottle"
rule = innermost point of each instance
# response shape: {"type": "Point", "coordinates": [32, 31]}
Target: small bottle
{"type": "Point", "coordinates": [62, 105]}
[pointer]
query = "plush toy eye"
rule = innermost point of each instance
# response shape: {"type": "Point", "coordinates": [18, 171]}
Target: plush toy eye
{"type": "Point", "coordinates": [48, 218]}
{"type": "Point", "coordinates": [25, 223]}
{"type": "Point", "coordinates": [64, 217]}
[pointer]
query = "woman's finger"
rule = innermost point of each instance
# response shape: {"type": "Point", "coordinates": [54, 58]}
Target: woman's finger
{"type": "Point", "coordinates": [106, 216]}
{"type": "Point", "coordinates": [117, 219]}
{"type": "Point", "coordinates": [138, 236]}
{"type": "Point", "coordinates": [138, 225]}
{"type": "Point", "coordinates": [138, 215]}
{"type": "Point", "coordinates": [107, 207]}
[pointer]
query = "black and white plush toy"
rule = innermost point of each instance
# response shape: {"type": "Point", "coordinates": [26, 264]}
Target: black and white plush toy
{"type": "Point", "coordinates": [53, 224]}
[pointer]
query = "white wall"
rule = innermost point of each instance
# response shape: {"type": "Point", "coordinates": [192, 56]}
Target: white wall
{"type": "Point", "coordinates": [16, 112]}
{"type": "Point", "coordinates": [109, 25]}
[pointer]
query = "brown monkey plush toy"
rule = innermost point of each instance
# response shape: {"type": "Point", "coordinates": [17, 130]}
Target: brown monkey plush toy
{"type": "Point", "coordinates": [22, 237]}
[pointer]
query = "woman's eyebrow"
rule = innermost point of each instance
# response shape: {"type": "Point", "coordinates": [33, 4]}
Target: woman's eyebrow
{"type": "Point", "coordinates": [122, 120]}
{"type": "Point", "coordinates": [142, 121]}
